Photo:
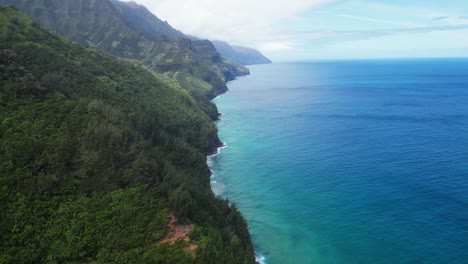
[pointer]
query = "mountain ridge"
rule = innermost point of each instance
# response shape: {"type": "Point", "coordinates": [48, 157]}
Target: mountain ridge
{"type": "Point", "coordinates": [141, 17]}
{"type": "Point", "coordinates": [240, 54]}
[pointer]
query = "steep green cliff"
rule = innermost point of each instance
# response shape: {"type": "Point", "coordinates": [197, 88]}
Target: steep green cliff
{"type": "Point", "coordinates": [100, 24]}
{"type": "Point", "coordinates": [96, 153]}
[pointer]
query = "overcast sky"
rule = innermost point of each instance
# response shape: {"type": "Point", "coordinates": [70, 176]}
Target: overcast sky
{"type": "Point", "coordinates": [287, 30]}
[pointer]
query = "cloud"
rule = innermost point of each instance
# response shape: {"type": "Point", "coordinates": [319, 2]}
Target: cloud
{"type": "Point", "coordinates": [440, 18]}
{"type": "Point", "coordinates": [238, 22]}
{"type": "Point", "coordinates": [408, 9]}
{"type": "Point", "coordinates": [450, 43]}
{"type": "Point", "coordinates": [451, 20]}
{"type": "Point", "coordinates": [375, 20]}
{"type": "Point", "coordinates": [349, 35]}
{"type": "Point", "coordinates": [275, 46]}
{"type": "Point", "coordinates": [287, 28]}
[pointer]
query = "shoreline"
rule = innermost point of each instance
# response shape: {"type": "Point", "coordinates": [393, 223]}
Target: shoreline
{"type": "Point", "coordinates": [259, 257]}
{"type": "Point", "coordinates": [213, 149]}
{"type": "Point", "coordinates": [218, 150]}
{"type": "Point", "coordinates": [221, 94]}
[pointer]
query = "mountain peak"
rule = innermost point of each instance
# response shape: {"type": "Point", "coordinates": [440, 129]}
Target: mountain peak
{"type": "Point", "coordinates": [131, 3]}
{"type": "Point", "coordinates": [139, 17]}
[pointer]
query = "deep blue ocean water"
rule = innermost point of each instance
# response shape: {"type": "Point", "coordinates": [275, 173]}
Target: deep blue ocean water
{"type": "Point", "coordinates": [349, 162]}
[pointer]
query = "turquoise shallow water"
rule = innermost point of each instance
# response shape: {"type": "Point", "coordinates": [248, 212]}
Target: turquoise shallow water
{"type": "Point", "coordinates": [349, 162]}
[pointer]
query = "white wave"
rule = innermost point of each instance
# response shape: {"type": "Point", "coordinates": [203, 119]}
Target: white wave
{"type": "Point", "coordinates": [260, 259]}
{"type": "Point", "coordinates": [218, 150]}
{"type": "Point", "coordinates": [217, 188]}
{"type": "Point", "coordinates": [219, 95]}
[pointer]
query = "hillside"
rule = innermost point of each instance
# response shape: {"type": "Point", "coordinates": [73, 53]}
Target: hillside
{"type": "Point", "coordinates": [239, 54]}
{"type": "Point", "coordinates": [97, 154]}
{"type": "Point", "coordinates": [101, 25]}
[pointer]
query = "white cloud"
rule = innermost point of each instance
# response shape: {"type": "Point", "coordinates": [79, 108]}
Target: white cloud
{"type": "Point", "coordinates": [274, 46]}
{"type": "Point", "coordinates": [449, 43]}
{"type": "Point", "coordinates": [244, 22]}
{"type": "Point", "coordinates": [378, 21]}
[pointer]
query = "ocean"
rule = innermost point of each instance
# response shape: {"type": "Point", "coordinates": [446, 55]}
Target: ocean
{"type": "Point", "coordinates": [349, 161]}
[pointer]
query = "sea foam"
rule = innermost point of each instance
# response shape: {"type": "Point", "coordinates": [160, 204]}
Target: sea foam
{"type": "Point", "coordinates": [260, 259]}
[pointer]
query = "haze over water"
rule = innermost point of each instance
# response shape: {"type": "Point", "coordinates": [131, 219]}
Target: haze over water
{"type": "Point", "coordinates": [349, 162]}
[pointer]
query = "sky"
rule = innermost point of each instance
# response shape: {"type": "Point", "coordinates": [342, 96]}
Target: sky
{"type": "Point", "coordinates": [291, 30]}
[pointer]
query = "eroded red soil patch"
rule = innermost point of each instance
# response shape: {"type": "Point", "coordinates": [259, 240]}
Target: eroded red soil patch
{"type": "Point", "coordinates": [178, 231]}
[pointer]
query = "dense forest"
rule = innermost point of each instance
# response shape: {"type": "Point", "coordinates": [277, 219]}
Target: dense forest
{"type": "Point", "coordinates": [96, 152]}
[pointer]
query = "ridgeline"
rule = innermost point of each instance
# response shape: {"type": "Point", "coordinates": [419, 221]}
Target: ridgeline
{"type": "Point", "coordinates": [127, 30]}
{"type": "Point", "coordinates": [239, 54]}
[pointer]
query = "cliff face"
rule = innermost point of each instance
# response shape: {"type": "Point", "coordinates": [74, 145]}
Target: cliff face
{"type": "Point", "coordinates": [207, 50]}
{"type": "Point", "coordinates": [138, 17]}
{"type": "Point", "coordinates": [98, 155]}
{"type": "Point", "coordinates": [239, 54]}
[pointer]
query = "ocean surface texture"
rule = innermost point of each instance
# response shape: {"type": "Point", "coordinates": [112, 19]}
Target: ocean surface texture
{"type": "Point", "coordinates": [349, 162]}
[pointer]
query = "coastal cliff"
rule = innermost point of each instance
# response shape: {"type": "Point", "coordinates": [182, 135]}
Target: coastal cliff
{"type": "Point", "coordinates": [241, 55]}
{"type": "Point", "coordinates": [103, 157]}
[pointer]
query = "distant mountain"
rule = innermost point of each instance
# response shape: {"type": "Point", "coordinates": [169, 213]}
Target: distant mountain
{"type": "Point", "coordinates": [239, 54]}
{"type": "Point", "coordinates": [251, 56]}
{"type": "Point", "coordinates": [139, 17]}
{"type": "Point", "coordinates": [130, 31]}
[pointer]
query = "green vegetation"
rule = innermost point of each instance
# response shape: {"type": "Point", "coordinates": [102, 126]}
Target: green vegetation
{"type": "Point", "coordinates": [128, 31]}
{"type": "Point", "coordinates": [95, 152]}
